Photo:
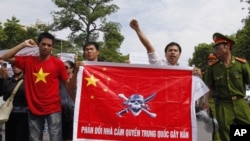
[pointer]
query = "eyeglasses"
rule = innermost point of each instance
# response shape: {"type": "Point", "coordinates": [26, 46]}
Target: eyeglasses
{"type": "Point", "coordinates": [67, 67]}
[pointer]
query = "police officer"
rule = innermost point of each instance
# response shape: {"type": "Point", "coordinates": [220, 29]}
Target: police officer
{"type": "Point", "coordinates": [226, 79]}
{"type": "Point", "coordinates": [211, 59]}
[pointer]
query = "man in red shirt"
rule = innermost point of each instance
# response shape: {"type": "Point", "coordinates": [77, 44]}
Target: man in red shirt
{"type": "Point", "coordinates": [42, 76]}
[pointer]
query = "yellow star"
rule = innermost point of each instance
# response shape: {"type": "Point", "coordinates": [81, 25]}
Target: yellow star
{"type": "Point", "coordinates": [40, 76]}
{"type": "Point", "coordinates": [91, 80]}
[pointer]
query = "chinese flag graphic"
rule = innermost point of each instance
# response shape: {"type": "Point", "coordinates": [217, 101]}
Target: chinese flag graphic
{"type": "Point", "coordinates": [133, 102]}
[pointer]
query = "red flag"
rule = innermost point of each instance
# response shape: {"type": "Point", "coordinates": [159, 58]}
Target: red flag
{"type": "Point", "coordinates": [134, 102]}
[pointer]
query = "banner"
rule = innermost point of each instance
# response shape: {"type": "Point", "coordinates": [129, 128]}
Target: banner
{"type": "Point", "coordinates": [67, 56]}
{"type": "Point", "coordinates": [135, 102]}
{"type": "Point", "coordinates": [138, 58]}
{"type": "Point", "coordinates": [28, 51]}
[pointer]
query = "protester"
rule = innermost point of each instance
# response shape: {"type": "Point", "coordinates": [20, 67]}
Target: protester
{"type": "Point", "coordinates": [172, 50]}
{"type": "Point", "coordinates": [17, 127]}
{"type": "Point", "coordinates": [172, 54]}
{"type": "Point", "coordinates": [3, 70]}
{"type": "Point", "coordinates": [226, 80]}
{"type": "Point", "coordinates": [71, 86]}
{"type": "Point", "coordinates": [68, 93]}
{"type": "Point", "coordinates": [42, 76]}
{"type": "Point", "coordinates": [91, 51]}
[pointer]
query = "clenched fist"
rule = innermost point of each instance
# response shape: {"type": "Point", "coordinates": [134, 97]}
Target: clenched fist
{"type": "Point", "coordinates": [134, 24]}
{"type": "Point", "coordinates": [29, 43]}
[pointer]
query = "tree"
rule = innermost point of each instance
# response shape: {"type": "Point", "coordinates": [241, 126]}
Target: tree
{"type": "Point", "coordinates": [200, 55]}
{"type": "Point", "coordinates": [3, 36]}
{"type": "Point", "coordinates": [82, 16]}
{"type": "Point", "coordinates": [240, 49]}
{"type": "Point", "coordinates": [242, 46]}
{"type": "Point", "coordinates": [12, 32]}
{"type": "Point", "coordinates": [87, 20]}
{"type": "Point", "coordinates": [112, 40]}
{"type": "Point", "coordinates": [248, 2]}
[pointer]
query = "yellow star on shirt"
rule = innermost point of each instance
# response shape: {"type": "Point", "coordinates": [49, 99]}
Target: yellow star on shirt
{"type": "Point", "coordinates": [40, 76]}
{"type": "Point", "coordinates": [91, 80]}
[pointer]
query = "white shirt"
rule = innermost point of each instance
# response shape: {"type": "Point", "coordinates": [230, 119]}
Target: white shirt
{"type": "Point", "coordinates": [154, 59]}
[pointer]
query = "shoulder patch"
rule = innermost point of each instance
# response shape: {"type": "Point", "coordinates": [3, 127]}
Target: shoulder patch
{"type": "Point", "coordinates": [241, 60]}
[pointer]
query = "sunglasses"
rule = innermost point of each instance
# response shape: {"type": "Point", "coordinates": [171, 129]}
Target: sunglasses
{"type": "Point", "coordinates": [67, 67]}
{"type": "Point", "coordinates": [219, 45]}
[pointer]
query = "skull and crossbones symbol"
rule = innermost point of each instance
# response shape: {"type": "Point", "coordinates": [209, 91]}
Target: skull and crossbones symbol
{"type": "Point", "coordinates": [135, 104]}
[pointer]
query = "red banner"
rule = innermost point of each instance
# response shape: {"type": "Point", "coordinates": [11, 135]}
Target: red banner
{"type": "Point", "coordinates": [132, 102]}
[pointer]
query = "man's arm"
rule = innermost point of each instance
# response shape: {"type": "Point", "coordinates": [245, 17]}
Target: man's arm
{"type": "Point", "coordinates": [9, 55]}
{"type": "Point", "coordinates": [144, 40]}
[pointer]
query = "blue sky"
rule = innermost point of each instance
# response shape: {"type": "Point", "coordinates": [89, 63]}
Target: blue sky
{"type": "Point", "coordinates": [188, 22]}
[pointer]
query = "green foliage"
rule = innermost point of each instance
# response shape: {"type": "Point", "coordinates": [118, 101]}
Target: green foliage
{"type": "Point", "coordinates": [3, 36]}
{"type": "Point", "coordinates": [242, 46]}
{"type": "Point", "coordinates": [240, 49]}
{"type": "Point", "coordinates": [87, 21]}
{"type": "Point", "coordinates": [82, 17]}
{"type": "Point", "coordinates": [112, 40]}
{"type": "Point", "coordinates": [200, 55]}
{"type": "Point", "coordinates": [13, 33]}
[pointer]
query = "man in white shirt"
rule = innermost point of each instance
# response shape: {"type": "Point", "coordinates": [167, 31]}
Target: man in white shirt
{"type": "Point", "coordinates": [172, 50]}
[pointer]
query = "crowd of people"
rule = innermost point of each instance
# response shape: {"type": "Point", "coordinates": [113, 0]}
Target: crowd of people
{"type": "Point", "coordinates": [38, 100]}
{"type": "Point", "coordinates": [48, 105]}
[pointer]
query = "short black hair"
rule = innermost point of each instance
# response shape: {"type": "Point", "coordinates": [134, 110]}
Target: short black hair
{"type": "Point", "coordinates": [91, 43]}
{"type": "Point", "coordinates": [4, 64]}
{"type": "Point", "coordinates": [172, 44]}
{"type": "Point", "coordinates": [46, 35]}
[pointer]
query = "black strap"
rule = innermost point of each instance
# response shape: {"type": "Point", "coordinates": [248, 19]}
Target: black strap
{"type": "Point", "coordinates": [211, 114]}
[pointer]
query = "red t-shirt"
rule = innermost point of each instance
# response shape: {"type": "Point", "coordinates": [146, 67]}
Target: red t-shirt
{"type": "Point", "coordinates": [42, 83]}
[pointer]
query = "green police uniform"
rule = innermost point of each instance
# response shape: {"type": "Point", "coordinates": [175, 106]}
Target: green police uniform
{"type": "Point", "coordinates": [228, 86]}
{"type": "Point", "coordinates": [215, 135]}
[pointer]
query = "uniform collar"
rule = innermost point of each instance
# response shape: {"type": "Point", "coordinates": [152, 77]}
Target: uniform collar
{"type": "Point", "coordinates": [232, 60]}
